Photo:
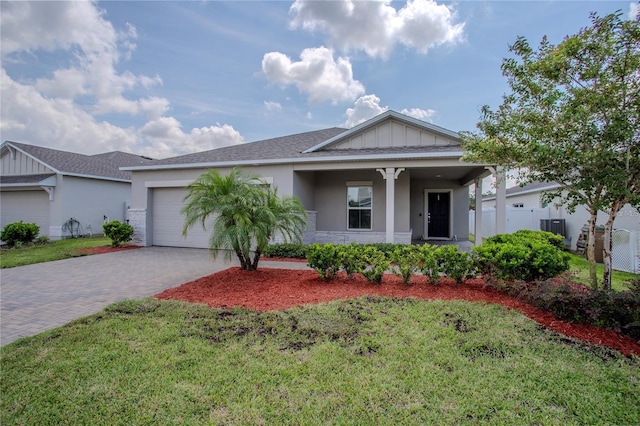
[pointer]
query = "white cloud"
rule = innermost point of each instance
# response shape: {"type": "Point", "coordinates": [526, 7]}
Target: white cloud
{"type": "Point", "coordinates": [634, 10]}
{"type": "Point", "coordinates": [420, 114]}
{"type": "Point", "coordinates": [364, 108]}
{"type": "Point", "coordinates": [167, 138]}
{"type": "Point", "coordinates": [377, 27]}
{"type": "Point", "coordinates": [316, 74]}
{"type": "Point", "coordinates": [61, 109]}
{"type": "Point", "coordinates": [272, 106]}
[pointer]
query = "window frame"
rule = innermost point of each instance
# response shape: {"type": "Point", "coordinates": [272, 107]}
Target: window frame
{"type": "Point", "coordinates": [358, 185]}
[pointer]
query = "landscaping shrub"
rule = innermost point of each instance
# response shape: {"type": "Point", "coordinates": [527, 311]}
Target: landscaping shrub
{"type": "Point", "coordinates": [325, 259]}
{"type": "Point", "coordinates": [118, 232]}
{"type": "Point", "coordinates": [406, 261]}
{"type": "Point", "coordinates": [429, 265]}
{"type": "Point", "coordinates": [18, 233]}
{"type": "Point", "coordinates": [290, 250]}
{"type": "Point", "coordinates": [376, 264]}
{"type": "Point", "coordinates": [572, 302]}
{"type": "Point", "coordinates": [454, 263]}
{"type": "Point", "coordinates": [351, 260]}
{"type": "Point", "coordinates": [526, 256]}
{"type": "Point", "coordinates": [386, 248]}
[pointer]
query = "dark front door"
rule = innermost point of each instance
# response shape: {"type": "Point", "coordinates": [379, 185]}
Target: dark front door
{"type": "Point", "coordinates": [438, 214]}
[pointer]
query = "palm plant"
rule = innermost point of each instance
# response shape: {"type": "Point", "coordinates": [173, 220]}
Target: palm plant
{"type": "Point", "coordinates": [246, 214]}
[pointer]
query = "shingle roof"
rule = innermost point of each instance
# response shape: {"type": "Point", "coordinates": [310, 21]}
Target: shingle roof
{"type": "Point", "coordinates": [72, 163]}
{"type": "Point", "coordinates": [124, 158]}
{"type": "Point", "coordinates": [276, 148]}
{"type": "Point", "coordinates": [291, 148]}
{"type": "Point", "coordinates": [22, 179]}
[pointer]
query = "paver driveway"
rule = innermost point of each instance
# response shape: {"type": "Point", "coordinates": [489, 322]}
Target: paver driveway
{"type": "Point", "coordinates": [35, 298]}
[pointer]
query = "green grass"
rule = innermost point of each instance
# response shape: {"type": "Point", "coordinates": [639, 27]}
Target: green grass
{"type": "Point", "coordinates": [579, 266]}
{"type": "Point", "coordinates": [54, 250]}
{"type": "Point", "coordinates": [364, 361]}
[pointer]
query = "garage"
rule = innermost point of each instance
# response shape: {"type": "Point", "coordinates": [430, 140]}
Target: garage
{"type": "Point", "coordinates": [168, 221]}
{"type": "Point", "coordinates": [26, 206]}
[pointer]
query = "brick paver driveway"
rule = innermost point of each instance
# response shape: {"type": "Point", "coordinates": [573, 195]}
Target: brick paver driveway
{"type": "Point", "coordinates": [38, 297]}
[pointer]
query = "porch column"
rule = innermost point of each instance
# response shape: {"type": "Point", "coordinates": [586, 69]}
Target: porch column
{"type": "Point", "coordinates": [477, 226]}
{"type": "Point", "coordinates": [501, 198]}
{"type": "Point", "coordinates": [390, 174]}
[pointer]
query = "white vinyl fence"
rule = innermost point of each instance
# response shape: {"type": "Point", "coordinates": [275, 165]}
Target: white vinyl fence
{"type": "Point", "coordinates": [625, 252]}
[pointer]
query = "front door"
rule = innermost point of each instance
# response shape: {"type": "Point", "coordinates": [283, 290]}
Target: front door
{"type": "Point", "coordinates": [438, 214]}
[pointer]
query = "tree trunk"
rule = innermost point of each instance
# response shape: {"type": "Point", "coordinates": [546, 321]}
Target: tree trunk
{"type": "Point", "coordinates": [591, 250]}
{"type": "Point", "coordinates": [608, 230]}
{"type": "Point", "coordinates": [256, 259]}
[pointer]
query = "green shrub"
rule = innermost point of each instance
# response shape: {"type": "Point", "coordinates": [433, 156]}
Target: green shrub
{"type": "Point", "coordinates": [118, 232]}
{"type": "Point", "coordinates": [351, 260]}
{"type": "Point", "coordinates": [386, 248]}
{"type": "Point", "coordinates": [429, 265]}
{"type": "Point", "coordinates": [19, 233]}
{"type": "Point", "coordinates": [619, 311]}
{"type": "Point", "coordinates": [325, 259]}
{"type": "Point", "coordinates": [288, 250]}
{"type": "Point", "coordinates": [454, 263]}
{"type": "Point", "coordinates": [524, 255]}
{"type": "Point", "coordinates": [376, 264]}
{"type": "Point", "coordinates": [405, 261]}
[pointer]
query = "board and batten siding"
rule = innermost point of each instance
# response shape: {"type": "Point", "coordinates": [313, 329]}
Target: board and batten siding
{"type": "Point", "coordinates": [393, 134]}
{"type": "Point", "coordinates": [17, 163]}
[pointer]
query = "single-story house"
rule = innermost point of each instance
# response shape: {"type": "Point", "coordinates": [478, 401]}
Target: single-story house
{"type": "Point", "coordinates": [64, 193]}
{"type": "Point", "coordinates": [390, 179]}
{"type": "Point", "coordinates": [529, 197]}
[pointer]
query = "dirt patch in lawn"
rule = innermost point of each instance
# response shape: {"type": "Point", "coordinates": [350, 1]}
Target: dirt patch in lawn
{"type": "Point", "coordinates": [276, 289]}
{"type": "Point", "coordinates": [105, 249]}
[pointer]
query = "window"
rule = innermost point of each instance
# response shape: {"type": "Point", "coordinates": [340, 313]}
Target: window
{"type": "Point", "coordinates": [359, 207]}
{"type": "Point", "coordinates": [518, 205]}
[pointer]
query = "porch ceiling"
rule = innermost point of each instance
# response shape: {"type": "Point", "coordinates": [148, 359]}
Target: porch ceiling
{"type": "Point", "coordinates": [463, 174]}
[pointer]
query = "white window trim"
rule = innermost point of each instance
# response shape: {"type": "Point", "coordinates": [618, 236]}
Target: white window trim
{"type": "Point", "coordinates": [359, 184]}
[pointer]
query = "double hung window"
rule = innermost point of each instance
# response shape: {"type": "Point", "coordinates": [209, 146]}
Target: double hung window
{"type": "Point", "coordinates": [359, 209]}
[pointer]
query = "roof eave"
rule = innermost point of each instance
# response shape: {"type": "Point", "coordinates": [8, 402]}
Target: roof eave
{"type": "Point", "coordinates": [332, 159]}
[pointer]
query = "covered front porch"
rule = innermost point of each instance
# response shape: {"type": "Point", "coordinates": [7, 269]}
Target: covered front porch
{"type": "Point", "coordinates": [405, 202]}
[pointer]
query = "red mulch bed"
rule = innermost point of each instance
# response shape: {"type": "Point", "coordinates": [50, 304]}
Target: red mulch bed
{"type": "Point", "coordinates": [275, 289]}
{"type": "Point", "coordinates": [106, 249]}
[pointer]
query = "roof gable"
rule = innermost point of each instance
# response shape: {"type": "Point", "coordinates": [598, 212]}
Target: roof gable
{"type": "Point", "coordinates": [390, 130]}
{"type": "Point", "coordinates": [68, 163]}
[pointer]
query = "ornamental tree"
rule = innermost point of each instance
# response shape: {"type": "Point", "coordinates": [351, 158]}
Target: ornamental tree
{"type": "Point", "coordinates": [572, 117]}
{"type": "Point", "coordinates": [246, 213]}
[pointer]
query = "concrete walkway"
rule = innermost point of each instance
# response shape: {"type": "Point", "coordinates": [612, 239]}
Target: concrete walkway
{"type": "Point", "coordinates": [39, 297]}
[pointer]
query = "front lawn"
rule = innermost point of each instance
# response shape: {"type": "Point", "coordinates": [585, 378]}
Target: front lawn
{"type": "Point", "coordinates": [366, 361]}
{"type": "Point", "coordinates": [53, 250]}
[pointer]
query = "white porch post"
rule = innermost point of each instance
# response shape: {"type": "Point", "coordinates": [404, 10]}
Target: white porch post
{"type": "Point", "coordinates": [501, 198]}
{"type": "Point", "coordinates": [390, 174]}
{"type": "Point", "coordinates": [501, 201]}
{"type": "Point", "coordinates": [478, 213]}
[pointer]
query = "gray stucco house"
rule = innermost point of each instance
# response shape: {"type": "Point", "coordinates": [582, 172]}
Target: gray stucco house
{"type": "Point", "coordinates": [392, 178]}
{"type": "Point", "coordinates": [50, 187]}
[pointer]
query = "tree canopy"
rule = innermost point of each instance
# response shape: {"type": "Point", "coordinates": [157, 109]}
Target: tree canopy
{"type": "Point", "coordinates": [572, 117]}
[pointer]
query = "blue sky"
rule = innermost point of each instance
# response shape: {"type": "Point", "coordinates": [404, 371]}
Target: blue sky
{"type": "Point", "coordinates": [165, 78]}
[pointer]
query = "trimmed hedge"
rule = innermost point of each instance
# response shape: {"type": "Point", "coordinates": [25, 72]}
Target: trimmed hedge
{"type": "Point", "coordinates": [524, 255]}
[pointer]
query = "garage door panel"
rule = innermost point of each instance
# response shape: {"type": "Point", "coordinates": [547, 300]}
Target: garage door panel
{"type": "Point", "coordinates": [168, 221]}
{"type": "Point", "coordinates": [26, 206]}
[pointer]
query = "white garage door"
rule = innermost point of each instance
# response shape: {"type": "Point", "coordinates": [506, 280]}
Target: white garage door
{"type": "Point", "coordinates": [168, 221]}
{"type": "Point", "coordinates": [26, 206]}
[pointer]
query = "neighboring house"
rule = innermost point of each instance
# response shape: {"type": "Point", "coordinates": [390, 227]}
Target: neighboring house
{"type": "Point", "coordinates": [529, 197]}
{"type": "Point", "coordinates": [63, 192]}
{"type": "Point", "coordinates": [392, 178]}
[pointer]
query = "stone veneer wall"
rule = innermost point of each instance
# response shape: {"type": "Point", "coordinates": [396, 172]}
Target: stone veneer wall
{"type": "Point", "coordinates": [138, 220]}
{"type": "Point", "coordinates": [346, 237]}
